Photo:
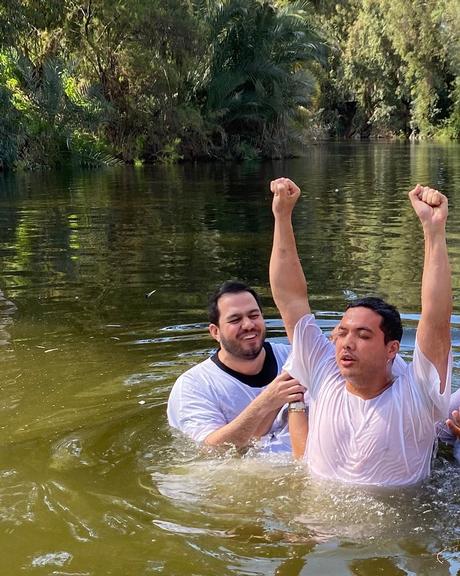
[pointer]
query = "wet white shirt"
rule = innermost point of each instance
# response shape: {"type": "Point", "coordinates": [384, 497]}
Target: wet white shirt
{"type": "Point", "coordinates": [387, 440]}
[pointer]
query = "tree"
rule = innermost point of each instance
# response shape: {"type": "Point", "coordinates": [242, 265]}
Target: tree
{"type": "Point", "coordinates": [260, 70]}
{"type": "Point", "coordinates": [392, 63]}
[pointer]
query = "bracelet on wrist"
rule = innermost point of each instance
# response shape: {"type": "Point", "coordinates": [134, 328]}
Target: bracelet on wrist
{"type": "Point", "coordinates": [297, 407]}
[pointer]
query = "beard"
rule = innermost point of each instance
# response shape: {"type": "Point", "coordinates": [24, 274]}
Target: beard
{"type": "Point", "coordinates": [246, 350]}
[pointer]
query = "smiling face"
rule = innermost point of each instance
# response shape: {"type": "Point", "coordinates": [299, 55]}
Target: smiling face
{"type": "Point", "coordinates": [241, 327]}
{"type": "Point", "coordinates": [360, 350]}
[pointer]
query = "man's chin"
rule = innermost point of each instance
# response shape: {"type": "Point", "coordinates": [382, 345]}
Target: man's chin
{"type": "Point", "coordinates": [250, 356]}
{"type": "Point", "coordinates": [243, 350]}
{"type": "Point", "coordinates": [251, 352]}
{"type": "Point", "coordinates": [346, 373]}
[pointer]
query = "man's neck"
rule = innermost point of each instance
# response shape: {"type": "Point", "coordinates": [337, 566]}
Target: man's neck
{"type": "Point", "coordinates": [368, 391]}
{"type": "Point", "coordinates": [249, 367]}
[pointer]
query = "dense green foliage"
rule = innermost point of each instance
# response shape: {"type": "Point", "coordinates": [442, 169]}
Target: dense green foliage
{"type": "Point", "coordinates": [97, 81]}
{"type": "Point", "coordinates": [396, 67]}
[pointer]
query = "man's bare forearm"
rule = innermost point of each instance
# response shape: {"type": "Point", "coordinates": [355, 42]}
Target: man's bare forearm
{"type": "Point", "coordinates": [436, 282]}
{"type": "Point", "coordinates": [298, 432]}
{"type": "Point", "coordinates": [257, 418]}
{"type": "Point", "coordinates": [253, 422]}
{"type": "Point", "coordinates": [286, 274]}
{"type": "Point", "coordinates": [433, 331]}
{"type": "Point", "coordinates": [287, 280]}
{"type": "Point", "coordinates": [436, 295]}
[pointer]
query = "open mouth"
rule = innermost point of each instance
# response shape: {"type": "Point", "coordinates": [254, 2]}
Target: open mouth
{"type": "Point", "coordinates": [347, 360]}
{"type": "Point", "coordinates": [249, 336]}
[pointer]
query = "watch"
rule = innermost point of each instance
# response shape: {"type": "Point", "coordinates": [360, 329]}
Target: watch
{"type": "Point", "coordinates": [297, 406]}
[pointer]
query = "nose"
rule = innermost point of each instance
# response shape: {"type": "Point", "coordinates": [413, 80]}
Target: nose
{"type": "Point", "coordinates": [348, 342]}
{"type": "Point", "coordinates": [247, 323]}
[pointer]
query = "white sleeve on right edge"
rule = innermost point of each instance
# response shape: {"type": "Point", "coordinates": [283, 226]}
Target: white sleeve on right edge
{"type": "Point", "coordinates": [427, 381]}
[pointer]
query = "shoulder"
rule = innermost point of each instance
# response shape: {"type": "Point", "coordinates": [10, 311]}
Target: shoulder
{"type": "Point", "coordinates": [306, 323]}
{"type": "Point", "coordinates": [399, 366]}
{"type": "Point", "coordinates": [422, 382]}
{"type": "Point", "coordinates": [201, 372]}
{"type": "Point", "coordinates": [198, 384]}
{"type": "Point", "coordinates": [309, 336]}
{"type": "Point", "coordinates": [423, 369]}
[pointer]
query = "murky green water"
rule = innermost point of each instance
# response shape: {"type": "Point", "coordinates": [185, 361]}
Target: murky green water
{"type": "Point", "coordinates": [92, 482]}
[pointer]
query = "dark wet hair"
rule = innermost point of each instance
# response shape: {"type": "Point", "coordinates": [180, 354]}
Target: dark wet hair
{"type": "Point", "coordinates": [390, 325]}
{"type": "Point", "coordinates": [228, 287]}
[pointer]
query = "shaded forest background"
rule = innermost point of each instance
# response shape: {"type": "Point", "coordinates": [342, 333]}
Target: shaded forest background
{"type": "Point", "coordinates": [91, 82]}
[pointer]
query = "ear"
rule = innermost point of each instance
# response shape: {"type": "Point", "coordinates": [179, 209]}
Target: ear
{"type": "Point", "coordinates": [334, 334]}
{"type": "Point", "coordinates": [393, 349]}
{"type": "Point", "coordinates": [214, 331]}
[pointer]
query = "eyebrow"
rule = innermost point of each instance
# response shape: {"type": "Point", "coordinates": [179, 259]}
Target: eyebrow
{"type": "Point", "coordinates": [358, 329]}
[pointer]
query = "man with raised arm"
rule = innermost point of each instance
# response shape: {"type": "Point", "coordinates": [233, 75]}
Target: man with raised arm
{"type": "Point", "coordinates": [368, 423]}
{"type": "Point", "coordinates": [236, 396]}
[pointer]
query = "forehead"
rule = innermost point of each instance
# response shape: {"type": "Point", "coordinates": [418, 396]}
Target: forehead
{"type": "Point", "coordinates": [361, 317]}
{"type": "Point", "coordinates": [239, 303]}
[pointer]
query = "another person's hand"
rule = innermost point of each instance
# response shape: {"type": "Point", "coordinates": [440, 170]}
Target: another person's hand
{"type": "Point", "coordinates": [285, 196]}
{"type": "Point", "coordinates": [454, 423]}
{"type": "Point", "coordinates": [282, 390]}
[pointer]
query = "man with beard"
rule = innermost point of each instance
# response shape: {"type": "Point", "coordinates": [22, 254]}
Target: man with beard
{"type": "Point", "coordinates": [236, 396]}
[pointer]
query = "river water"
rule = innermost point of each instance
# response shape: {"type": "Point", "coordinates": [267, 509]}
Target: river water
{"type": "Point", "coordinates": [92, 481]}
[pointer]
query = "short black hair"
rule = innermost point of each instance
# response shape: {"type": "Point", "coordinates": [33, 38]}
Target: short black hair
{"type": "Point", "coordinates": [390, 324]}
{"type": "Point", "coordinates": [228, 287]}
